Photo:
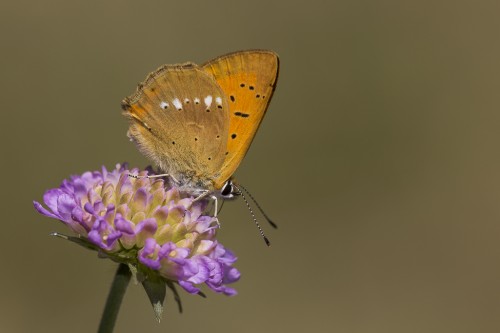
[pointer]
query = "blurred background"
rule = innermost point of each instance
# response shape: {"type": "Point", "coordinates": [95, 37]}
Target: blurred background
{"type": "Point", "coordinates": [379, 159]}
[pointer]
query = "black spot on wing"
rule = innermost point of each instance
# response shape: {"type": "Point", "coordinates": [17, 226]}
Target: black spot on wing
{"type": "Point", "coordinates": [241, 114]}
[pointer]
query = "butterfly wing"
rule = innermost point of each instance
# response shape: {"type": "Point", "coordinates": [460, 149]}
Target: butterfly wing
{"type": "Point", "coordinates": [248, 79]}
{"type": "Point", "coordinates": [179, 119]}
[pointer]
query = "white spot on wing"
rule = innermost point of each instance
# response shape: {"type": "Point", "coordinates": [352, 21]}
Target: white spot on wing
{"type": "Point", "coordinates": [177, 103]}
{"type": "Point", "coordinates": [218, 100]}
{"type": "Point", "coordinates": [208, 101]}
{"type": "Point", "coordinates": [164, 105]}
{"type": "Point", "coordinates": [197, 100]}
{"type": "Point", "coordinates": [186, 100]}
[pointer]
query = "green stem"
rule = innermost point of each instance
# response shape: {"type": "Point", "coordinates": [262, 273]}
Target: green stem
{"type": "Point", "coordinates": [115, 297]}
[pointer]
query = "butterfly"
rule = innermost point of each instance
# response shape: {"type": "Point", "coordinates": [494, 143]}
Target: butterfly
{"type": "Point", "coordinates": [196, 122]}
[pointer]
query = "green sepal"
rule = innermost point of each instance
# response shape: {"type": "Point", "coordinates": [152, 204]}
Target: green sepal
{"type": "Point", "coordinates": [177, 297]}
{"type": "Point", "coordinates": [156, 290]}
{"type": "Point", "coordinates": [78, 240]}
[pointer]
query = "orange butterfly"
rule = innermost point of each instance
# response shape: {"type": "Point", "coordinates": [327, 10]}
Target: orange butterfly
{"type": "Point", "coordinates": [197, 122]}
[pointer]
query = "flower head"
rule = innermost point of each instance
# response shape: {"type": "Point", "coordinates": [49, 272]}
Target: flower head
{"type": "Point", "coordinates": [143, 223]}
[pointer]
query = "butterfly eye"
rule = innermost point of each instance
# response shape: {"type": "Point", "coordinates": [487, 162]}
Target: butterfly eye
{"type": "Point", "coordinates": [227, 189]}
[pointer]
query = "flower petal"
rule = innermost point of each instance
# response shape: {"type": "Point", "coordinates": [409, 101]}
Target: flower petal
{"type": "Point", "coordinates": [44, 211]}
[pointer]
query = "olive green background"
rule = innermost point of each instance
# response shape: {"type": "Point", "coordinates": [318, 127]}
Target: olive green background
{"type": "Point", "coordinates": [379, 158]}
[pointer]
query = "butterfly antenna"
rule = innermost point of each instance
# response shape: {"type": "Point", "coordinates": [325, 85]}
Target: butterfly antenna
{"type": "Point", "coordinates": [274, 225]}
{"type": "Point", "coordinates": [268, 243]}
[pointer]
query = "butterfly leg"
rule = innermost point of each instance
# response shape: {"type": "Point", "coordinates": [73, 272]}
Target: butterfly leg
{"type": "Point", "coordinates": [216, 210]}
{"type": "Point", "coordinates": [152, 176]}
{"type": "Point", "coordinates": [149, 177]}
{"type": "Point", "coordinates": [203, 195]}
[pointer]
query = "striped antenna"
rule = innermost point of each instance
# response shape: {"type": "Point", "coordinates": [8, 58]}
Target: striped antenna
{"type": "Point", "coordinates": [274, 225]}
{"type": "Point", "coordinates": [268, 243]}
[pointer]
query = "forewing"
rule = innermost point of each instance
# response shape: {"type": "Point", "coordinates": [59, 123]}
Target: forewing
{"type": "Point", "coordinates": [248, 79]}
{"type": "Point", "coordinates": [179, 119]}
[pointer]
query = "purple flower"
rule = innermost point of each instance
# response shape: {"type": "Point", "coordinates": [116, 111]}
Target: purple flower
{"type": "Point", "coordinates": [143, 223]}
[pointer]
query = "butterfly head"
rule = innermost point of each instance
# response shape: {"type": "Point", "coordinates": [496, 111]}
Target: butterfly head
{"type": "Point", "coordinates": [229, 190]}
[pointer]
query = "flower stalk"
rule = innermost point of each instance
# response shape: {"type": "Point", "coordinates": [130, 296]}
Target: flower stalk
{"type": "Point", "coordinates": [114, 300]}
